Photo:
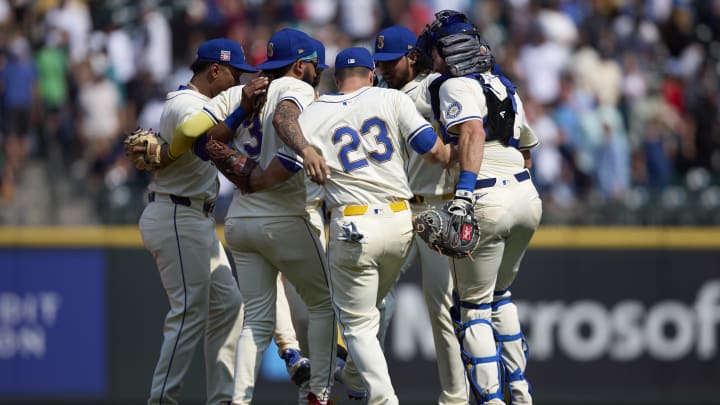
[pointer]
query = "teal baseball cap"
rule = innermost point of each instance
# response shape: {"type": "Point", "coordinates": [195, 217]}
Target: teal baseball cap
{"type": "Point", "coordinates": [393, 42]}
{"type": "Point", "coordinates": [285, 47]}
{"type": "Point", "coordinates": [224, 51]}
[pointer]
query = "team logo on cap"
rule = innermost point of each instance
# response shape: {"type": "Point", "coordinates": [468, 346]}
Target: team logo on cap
{"type": "Point", "coordinates": [225, 56]}
{"type": "Point", "coordinates": [300, 50]}
{"type": "Point", "coordinates": [380, 41]}
{"type": "Point", "coordinates": [270, 49]}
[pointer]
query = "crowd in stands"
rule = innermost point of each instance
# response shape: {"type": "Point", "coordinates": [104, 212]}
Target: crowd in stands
{"type": "Point", "coordinates": [624, 95]}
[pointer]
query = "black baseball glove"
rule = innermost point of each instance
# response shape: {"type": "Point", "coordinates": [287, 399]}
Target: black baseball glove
{"type": "Point", "coordinates": [465, 54]}
{"type": "Point", "coordinates": [452, 230]}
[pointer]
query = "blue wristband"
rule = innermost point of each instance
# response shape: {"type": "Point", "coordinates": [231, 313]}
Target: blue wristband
{"type": "Point", "coordinates": [199, 147]}
{"type": "Point", "coordinates": [236, 118]}
{"type": "Point", "coordinates": [467, 181]}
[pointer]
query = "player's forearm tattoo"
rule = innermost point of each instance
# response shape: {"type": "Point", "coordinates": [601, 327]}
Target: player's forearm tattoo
{"type": "Point", "coordinates": [286, 124]}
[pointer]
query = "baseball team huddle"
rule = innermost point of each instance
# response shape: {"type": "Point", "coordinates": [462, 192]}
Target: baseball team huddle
{"type": "Point", "coordinates": [336, 196]}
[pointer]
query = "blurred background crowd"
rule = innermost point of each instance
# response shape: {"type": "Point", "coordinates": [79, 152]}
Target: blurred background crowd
{"type": "Point", "coordinates": [624, 95]}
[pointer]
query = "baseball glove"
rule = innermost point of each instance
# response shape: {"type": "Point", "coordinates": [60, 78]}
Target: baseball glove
{"type": "Point", "coordinates": [236, 167]}
{"type": "Point", "coordinates": [465, 54]}
{"type": "Point", "coordinates": [142, 147]}
{"type": "Point", "coordinates": [452, 230]}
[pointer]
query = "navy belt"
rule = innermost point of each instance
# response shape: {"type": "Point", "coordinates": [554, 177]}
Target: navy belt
{"type": "Point", "coordinates": [485, 183]}
{"type": "Point", "coordinates": [207, 207]}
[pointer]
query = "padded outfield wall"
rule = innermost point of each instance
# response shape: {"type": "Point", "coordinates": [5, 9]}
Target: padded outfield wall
{"type": "Point", "coordinates": [611, 314]}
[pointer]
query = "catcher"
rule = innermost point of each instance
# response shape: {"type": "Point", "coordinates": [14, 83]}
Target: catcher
{"type": "Point", "coordinates": [480, 110]}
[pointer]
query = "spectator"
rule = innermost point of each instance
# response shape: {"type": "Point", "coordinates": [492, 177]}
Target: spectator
{"type": "Point", "coordinates": [18, 79]}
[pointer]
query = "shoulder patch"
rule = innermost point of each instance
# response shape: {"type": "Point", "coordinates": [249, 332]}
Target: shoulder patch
{"type": "Point", "coordinates": [453, 110]}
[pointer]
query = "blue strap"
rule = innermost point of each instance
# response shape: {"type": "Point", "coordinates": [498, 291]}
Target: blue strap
{"type": "Point", "coordinates": [516, 375]}
{"type": "Point", "coordinates": [508, 338]}
{"type": "Point", "coordinates": [497, 304]}
{"type": "Point", "coordinates": [470, 305]}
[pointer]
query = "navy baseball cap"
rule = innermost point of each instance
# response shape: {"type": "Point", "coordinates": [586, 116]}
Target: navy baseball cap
{"type": "Point", "coordinates": [225, 51]}
{"type": "Point", "coordinates": [285, 47]}
{"type": "Point", "coordinates": [393, 42]}
{"type": "Point", "coordinates": [320, 49]}
{"type": "Point", "coordinates": [354, 57]}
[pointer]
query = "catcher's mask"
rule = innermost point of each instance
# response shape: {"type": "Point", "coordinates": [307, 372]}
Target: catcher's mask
{"type": "Point", "coordinates": [447, 23]}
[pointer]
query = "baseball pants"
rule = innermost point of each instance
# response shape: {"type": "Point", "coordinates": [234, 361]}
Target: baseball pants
{"type": "Point", "coordinates": [262, 247]}
{"type": "Point", "coordinates": [362, 272]}
{"type": "Point", "coordinates": [509, 213]}
{"type": "Point", "coordinates": [437, 285]}
{"type": "Point", "coordinates": [205, 302]}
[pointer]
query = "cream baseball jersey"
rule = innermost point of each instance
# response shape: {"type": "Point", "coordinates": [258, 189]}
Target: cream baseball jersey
{"type": "Point", "coordinates": [426, 179]}
{"type": "Point", "coordinates": [462, 99]}
{"type": "Point", "coordinates": [362, 136]}
{"type": "Point", "coordinates": [174, 179]}
{"type": "Point", "coordinates": [259, 141]}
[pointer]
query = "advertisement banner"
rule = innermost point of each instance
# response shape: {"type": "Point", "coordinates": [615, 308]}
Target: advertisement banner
{"type": "Point", "coordinates": [52, 323]}
{"type": "Point", "coordinates": [600, 325]}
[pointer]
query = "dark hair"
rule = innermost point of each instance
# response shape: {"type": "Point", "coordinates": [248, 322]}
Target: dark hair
{"type": "Point", "coordinates": [261, 99]}
{"type": "Point", "coordinates": [422, 64]}
{"type": "Point", "coordinates": [199, 66]}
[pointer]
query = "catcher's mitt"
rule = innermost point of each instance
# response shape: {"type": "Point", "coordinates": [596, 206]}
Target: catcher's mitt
{"type": "Point", "coordinates": [452, 230]}
{"type": "Point", "coordinates": [236, 167]}
{"type": "Point", "coordinates": [142, 147]}
{"type": "Point", "coordinates": [465, 54]}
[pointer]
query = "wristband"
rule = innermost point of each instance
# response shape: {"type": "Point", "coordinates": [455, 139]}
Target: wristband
{"type": "Point", "coordinates": [236, 118]}
{"type": "Point", "coordinates": [199, 147]}
{"type": "Point", "coordinates": [466, 181]}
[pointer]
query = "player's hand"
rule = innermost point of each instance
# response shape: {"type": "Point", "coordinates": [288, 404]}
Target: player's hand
{"type": "Point", "coordinates": [251, 90]}
{"type": "Point", "coordinates": [164, 158]}
{"type": "Point", "coordinates": [461, 204]}
{"type": "Point", "coordinates": [315, 166]}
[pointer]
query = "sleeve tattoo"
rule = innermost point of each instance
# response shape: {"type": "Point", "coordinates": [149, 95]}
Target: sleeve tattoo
{"type": "Point", "coordinates": [285, 121]}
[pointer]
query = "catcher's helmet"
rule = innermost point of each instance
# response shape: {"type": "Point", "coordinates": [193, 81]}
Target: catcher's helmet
{"type": "Point", "coordinates": [449, 23]}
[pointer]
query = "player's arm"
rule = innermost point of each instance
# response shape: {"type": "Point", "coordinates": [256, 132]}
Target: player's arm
{"type": "Point", "coordinates": [204, 124]}
{"type": "Point", "coordinates": [431, 148]}
{"type": "Point", "coordinates": [471, 144]}
{"type": "Point", "coordinates": [224, 131]}
{"type": "Point", "coordinates": [276, 173]}
{"type": "Point", "coordinates": [527, 158]}
{"type": "Point", "coordinates": [285, 122]}
{"type": "Point", "coordinates": [528, 139]}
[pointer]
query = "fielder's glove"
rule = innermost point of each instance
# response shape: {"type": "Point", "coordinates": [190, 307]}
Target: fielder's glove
{"type": "Point", "coordinates": [452, 230]}
{"type": "Point", "coordinates": [236, 167]}
{"type": "Point", "coordinates": [142, 147]}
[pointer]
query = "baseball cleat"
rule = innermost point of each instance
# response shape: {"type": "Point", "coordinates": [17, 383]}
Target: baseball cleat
{"type": "Point", "coordinates": [312, 400]}
{"type": "Point", "coordinates": [298, 367]}
{"type": "Point", "coordinates": [340, 360]}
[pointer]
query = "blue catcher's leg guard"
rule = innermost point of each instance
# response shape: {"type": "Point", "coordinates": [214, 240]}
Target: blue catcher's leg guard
{"type": "Point", "coordinates": [513, 347]}
{"type": "Point", "coordinates": [482, 374]}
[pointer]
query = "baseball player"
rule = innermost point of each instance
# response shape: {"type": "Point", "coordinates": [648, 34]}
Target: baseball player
{"type": "Point", "coordinates": [402, 67]}
{"type": "Point", "coordinates": [268, 231]}
{"type": "Point", "coordinates": [227, 107]}
{"type": "Point", "coordinates": [177, 228]}
{"type": "Point", "coordinates": [361, 132]}
{"type": "Point", "coordinates": [480, 109]}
